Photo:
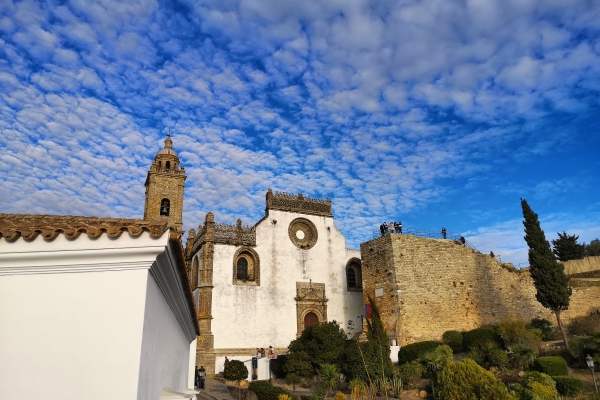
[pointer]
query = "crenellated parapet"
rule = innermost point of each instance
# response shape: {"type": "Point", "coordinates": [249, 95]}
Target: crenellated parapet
{"type": "Point", "coordinates": [298, 204]}
{"type": "Point", "coordinates": [220, 233]}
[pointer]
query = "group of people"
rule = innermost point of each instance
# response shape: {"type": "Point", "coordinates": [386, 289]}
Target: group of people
{"type": "Point", "coordinates": [393, 227]}
{"type": "Point", "coordinates": [261, 352]}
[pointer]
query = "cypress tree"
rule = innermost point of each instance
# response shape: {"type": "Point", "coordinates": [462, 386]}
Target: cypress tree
{"type": "Point", "coordinates": [551, 283]}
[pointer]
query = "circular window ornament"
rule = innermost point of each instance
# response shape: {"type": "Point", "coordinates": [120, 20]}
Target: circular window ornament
{"type": "Point", "coordinates": [303, 233]}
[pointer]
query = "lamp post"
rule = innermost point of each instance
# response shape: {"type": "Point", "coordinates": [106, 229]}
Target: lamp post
{"type": "Point", "coordinates": [590, 363]}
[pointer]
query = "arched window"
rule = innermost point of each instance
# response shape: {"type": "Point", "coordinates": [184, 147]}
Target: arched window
{"type": "Point", "coordinates": [246, 267]}
{"type": "Point", "coordinates": [168, 165]}
{"type": "Point", "coordinates": [354, 275]}
{"type": "Point", "coordinates": [310, 319]}
{"type": "Point", "coordinates": [242, 269]}
{"type": "Point", "coordinates": [351, 276]}
{"type": "Point", "coordinates": [165, 207]}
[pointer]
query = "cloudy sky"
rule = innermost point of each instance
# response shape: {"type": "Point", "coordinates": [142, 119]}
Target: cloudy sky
{"type": "Point", "coordinates": [433, 112]}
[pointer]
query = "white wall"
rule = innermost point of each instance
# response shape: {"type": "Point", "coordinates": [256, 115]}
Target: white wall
{"type": "Point", "coordinates": [267, 312]}
{"type": "Point", "coordinates": [165, 352]}
{"type": "Point", "coordinates": [70, 336]}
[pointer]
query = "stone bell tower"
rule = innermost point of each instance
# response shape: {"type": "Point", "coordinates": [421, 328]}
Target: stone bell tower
{"type": "Point", "coordinates": [164, 187]}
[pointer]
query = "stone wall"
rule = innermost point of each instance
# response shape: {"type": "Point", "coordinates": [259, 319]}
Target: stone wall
{"type": "Point", "coordinates": [587, 264]}
{"type": "Point", "coordinates": [429, 286]}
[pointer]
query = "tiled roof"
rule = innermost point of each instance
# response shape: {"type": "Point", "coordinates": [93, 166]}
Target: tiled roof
{"type": "Point", "coordinates": [13, 226]}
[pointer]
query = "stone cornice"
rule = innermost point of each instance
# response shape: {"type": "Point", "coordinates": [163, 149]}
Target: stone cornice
{"type": "Point", "coordinates": [298, 204]}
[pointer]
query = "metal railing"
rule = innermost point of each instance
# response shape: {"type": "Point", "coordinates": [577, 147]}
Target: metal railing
{"type": "Point", "coordinates": [427, 233]}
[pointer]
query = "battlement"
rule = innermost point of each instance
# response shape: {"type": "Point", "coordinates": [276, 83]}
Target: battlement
{"type": "Point", "coordinates": [298, 204]}
{"type": "Point", "coordinates": [220, 233]}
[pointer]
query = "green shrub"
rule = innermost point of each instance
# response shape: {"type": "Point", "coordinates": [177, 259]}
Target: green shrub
{"type": "Point", "coordinates": [235, 371]}
{"type": "Point", "coordinates": [414, 351]}
{"type": "Point", "coordinates": [322, 342]}
{"type": "Point", "coordinates": [544, 326]}
{"type": "Point", "coordinates": [584, 325]}
{"type": "Point", "coordinates": [552, 365]}
{"type": "Point", "coordinates": [568, 385]}
{"type": "Point", "coordinates": [454, 339]}
{"type": "Point", "coordinates": [479, 337]}
{"type": "Point", "coordinates": [534, 376]}
{"type": "Point", "coordinates": [514, 333]}
{"type": "Point", "coordinates": [265, 391]}
{"type": "Point", "coordinates": [521, 358]}
{"type": "Point", "coordinates": [277, 366]}
{"type": "Point", "coordinates": [435, 360]}
{"type": "Point", "coordinates": [478, 356]}
{"type": "Point", "coordinates": [352, 363]}
{"type": "Point", "coordinates": [467, 380]}
{"type": "Point", "coordinates": [498, 358]}
{"type": "Point", "coordinates": [410, 372]}
{"type": "Point", "coordinates": [543, 392]}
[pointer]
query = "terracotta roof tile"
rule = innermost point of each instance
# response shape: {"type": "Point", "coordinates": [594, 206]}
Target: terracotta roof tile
{"type": "Point", "coordinates": [13, 226]}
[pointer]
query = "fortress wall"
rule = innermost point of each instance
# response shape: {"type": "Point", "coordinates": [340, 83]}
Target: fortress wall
{"type": "Point", "coordinates": [586, 264]}
{"type": "Point", "coordinates": [432, 285]}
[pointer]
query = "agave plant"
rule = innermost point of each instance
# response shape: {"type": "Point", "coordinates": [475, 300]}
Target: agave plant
{"type": "Point", "coordinates": [381, 384]}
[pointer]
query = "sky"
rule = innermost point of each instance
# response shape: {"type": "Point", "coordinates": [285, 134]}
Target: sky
{"type": "Point", "coordinates": [436, 113]}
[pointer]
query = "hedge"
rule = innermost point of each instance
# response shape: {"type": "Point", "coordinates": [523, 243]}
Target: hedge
{"type": "Point", "coordinates": [454, 339]}
{"type": "Point", "coordinates": [568, 385]}
{"type": "Point", "coordinates": [479, 337]}
{"type": "Point", "coordinates": [277, 366]}
{"type": "Point", "coordinates": [551, 365]}
{"type": "Point", "coordinates": [414, 351]}
{"type": "Point", "coordinates": [265, 391]}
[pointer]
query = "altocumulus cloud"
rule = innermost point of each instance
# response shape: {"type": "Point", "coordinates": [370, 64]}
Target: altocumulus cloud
{"type": "Point", "coordinates": [430, 112]}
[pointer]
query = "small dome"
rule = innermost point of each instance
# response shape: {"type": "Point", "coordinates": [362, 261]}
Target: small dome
{"type": "Point", "coordinates": [168, 149]}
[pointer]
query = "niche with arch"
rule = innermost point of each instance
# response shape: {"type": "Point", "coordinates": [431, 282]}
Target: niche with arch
{"type": "Point", "coordinates": [246, 267]}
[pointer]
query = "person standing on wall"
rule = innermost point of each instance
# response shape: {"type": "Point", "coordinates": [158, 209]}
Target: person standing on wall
{"type": "Point", "coordinates": [400, 227]}
{"type": "Point", "coordinates": [444, 232]}
{"type": "Point", "coordinates": [201, 377]}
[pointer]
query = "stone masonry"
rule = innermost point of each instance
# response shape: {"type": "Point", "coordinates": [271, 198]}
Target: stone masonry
{"type": "Point", "coordinates": [424, 287]}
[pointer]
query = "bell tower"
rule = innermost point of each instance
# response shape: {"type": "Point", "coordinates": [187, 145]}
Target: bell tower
{"type": "Point", "coordinates": [164, 187]}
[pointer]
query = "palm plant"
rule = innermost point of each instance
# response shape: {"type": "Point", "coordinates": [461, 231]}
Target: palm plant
{"type": "Point", "coordinates": [329, 377]}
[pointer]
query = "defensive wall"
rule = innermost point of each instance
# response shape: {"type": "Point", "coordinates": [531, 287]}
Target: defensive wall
{"type": "Point", "coordinates": [587, 264]}
{"type": "Point", "coordinates": [424, 287]}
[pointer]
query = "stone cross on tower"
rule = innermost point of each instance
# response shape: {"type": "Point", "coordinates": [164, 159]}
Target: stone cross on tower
{"type": "Point", "coordinates": [164, 187]}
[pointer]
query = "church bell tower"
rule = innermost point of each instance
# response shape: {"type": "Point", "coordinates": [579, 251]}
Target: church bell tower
{"type": "Point", "coordinates": [164, 187]}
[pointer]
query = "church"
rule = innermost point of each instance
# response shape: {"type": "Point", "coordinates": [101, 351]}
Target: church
{"type": "Point", "coordinates": [260, 285]}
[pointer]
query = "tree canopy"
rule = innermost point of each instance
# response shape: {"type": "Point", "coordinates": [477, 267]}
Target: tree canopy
{"type": "Point", "coordinates": [566, 248]}
{"type": "Point", "coordinates": [235, 370]}
{"type": "Point", "coordinates": [322, 342]}
{"type": "Point", "coordinates": [551, 283]}
{"type": "Point", "coordinates": [593, 249]}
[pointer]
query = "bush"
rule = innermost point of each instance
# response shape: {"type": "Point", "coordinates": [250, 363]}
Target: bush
{"type": "Point", "coordinates": [585, 325]}
{"type": "Point", "coordinates": [467, 380]}
{"type": "Point", "coordinates": [542, 392]}
{"type": "Point", "coordinates": [277, 366]}
{"type": "Point", "coordinates": [235, 371]}
{"type": "Point", "coordinates": [340, 396]}
{"type": "Point", "coordinates": [498, 358]}
{"type": "Point", "coordinates": [521, 357]}
{"type": "Point", "coordinates": [535, 385]}
{"type": "Point", "coordinates": [265, 391]}
{"type": "Point", "coordinates": [567, 385]}
{"type": "Point", "coordinates": [454, 339]}
{"type": "Point", "coordinates": [410, 372]}
{"type": "Point", "coordinates": [478, 356]}
{"type": "Point", "coordinates": [544, 326]}
{"type": "Point", "coordinates": [322, 342]}
{"type": "Point", "coordinates": [435, 360]}
{"type": "Point", "coordinates": [552, 365]}
{"type": "Point", "coordinates": [514, 333]}
{"type": "Point", "coordinates": [352, 365]}
{"type": "Point", "coordinates": [533, 376]}
{"type": "Point", "coordinates": [479, 337]}
{"type": "Point", "coordinates": [414, 351]}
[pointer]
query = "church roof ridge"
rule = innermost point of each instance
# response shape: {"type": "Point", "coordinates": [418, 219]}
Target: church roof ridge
{"type": "Point", "coordinates": [30, 226]}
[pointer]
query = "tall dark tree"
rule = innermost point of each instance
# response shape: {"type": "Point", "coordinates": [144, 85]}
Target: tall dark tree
{"type": "Point", "coordinates": [593, 249]}
{"type": "Point", "coordinates": [551, 283]}
{"type": "Point", "coordinates": [566, 248]}
{"type": "Point", "coordinates": [322, 342]}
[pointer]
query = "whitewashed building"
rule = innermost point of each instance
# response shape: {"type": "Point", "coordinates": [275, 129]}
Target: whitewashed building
{"type": "Point", "coordinates": [94, 309]}
{"type": "Point", "coordinates": [260, 286]}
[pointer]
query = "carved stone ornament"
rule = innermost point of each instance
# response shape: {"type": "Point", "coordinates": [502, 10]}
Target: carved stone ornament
{"type": "Point", "coordinates": [303, 233]}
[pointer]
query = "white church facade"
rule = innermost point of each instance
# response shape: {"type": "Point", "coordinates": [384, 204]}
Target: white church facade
{"type": "Point", "coordinates": [261, 285]}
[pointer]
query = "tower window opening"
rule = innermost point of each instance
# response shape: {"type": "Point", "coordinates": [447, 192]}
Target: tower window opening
{"type": "Point", "coordinates": [168, 165]}
{"type": "Point", "coordinates": [242, 269]}
{"type": "Point", "coordinates": [165, 207]}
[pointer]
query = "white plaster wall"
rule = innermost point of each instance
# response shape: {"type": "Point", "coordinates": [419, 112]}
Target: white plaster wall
{"type": "Point", "coordinates": [260, 316]}
{"type": "Point", "coordinates": [71, 335]}
{"type": "Point", "coordinates": [165, 355]}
